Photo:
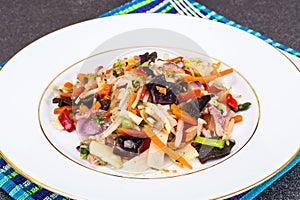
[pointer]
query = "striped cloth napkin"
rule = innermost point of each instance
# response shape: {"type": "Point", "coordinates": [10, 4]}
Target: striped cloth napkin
{"type": "Point", "coordinates": [18, 187]}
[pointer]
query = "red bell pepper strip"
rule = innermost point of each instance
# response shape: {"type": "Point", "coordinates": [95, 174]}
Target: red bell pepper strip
{"type": "Point", "coordinates": [231, 102]}
{"type": "Point", "coordinates": [143, 93]}
{"type": "Point", "coordinates": [65, 121]}
{"type": "Point", "coordinates": [175, 60]}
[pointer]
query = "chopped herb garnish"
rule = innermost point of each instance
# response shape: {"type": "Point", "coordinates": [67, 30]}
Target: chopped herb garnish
{"type": "Point", "coordinates": [210, 142]}
{"type": "Point", "coordinates": [93, 76]}
{"type": "Point", "coordinates": [100, 120]}
{"type": "Point", "coordinates": [244, 106]}
{"type": "Point", "coordinates": [136, 84]}
{"type": "Point", "coordinates": [84, 150]}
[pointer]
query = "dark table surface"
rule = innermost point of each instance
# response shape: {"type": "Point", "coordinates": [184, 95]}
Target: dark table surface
{"type": "Point", "coordinates": [22, 22]}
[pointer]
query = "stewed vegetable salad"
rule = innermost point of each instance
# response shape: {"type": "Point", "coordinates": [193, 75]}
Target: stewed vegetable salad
{"type": "Point", "coordinates": [145, 110]}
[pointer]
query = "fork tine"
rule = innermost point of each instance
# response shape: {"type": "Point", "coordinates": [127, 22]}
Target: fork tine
{"type": "Point", "coordinates": [191, 6]}
{"type": "Point", "coordinates": [178, 7]}
{"type": "Point", "coordinates": [184, 7]}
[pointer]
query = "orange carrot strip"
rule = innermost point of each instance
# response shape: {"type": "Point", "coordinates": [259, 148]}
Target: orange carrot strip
{"type": "Point", "coordinates": [161, 90]}
{"type": "Point", "coordinates": [61, 109]}
{"type": "Point", "coordinates": [64, 95]}
{"type": "Point", "coordinates": [189, 95]}
{"type": "Point", "coordinates": [226, 72]}
{"type": "Point", "coordinates": [180, 114]}
{"type": "Point", "coordinates": [237, 118]}
{"type": "Point", "coordinates": [105, 90]}
{"type": "Point", "coordinates": [132, 132]}
{"type": "Point", "coordinates": [130, 102]}
{"type": "Point", "coordinates": [68, 85]}
{"type": "Point", "coordinates": [179, 58]}
{"type": "Point", "coordinates": [96, 106]}
{"type": "Point", "coordinates": [107, 113]}
{"type": "Point", "coordinates": [173, 154]}
{"type": "Point", "coordinates": [129, 67]}
{"type": "Point", "coordinates": [206, 79]}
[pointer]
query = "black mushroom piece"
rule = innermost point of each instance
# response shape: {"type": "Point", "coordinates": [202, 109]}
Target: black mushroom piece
{"type": "Point", "coordinates": [148, 57]}
{"type": "Point", "coordinates": [148, 71]}
{"type": "Point", "coordinates": [64, 101]}
{"type": "Point", "coordinates": [207, 153]}
{"type": "Point", "coordinates": [88, 101]}
{"type": "Point", "coordinates": [195, 106]}
{"type": "Point", "coordinates": [172, 90]}
{"type": "Point", "coordinates": [105, 104]}
{"type": "Point", "coordinates": [129, 146]}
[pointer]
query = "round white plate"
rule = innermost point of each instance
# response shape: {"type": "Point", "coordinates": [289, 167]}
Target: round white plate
{"type": "Point", "coordinates": [274, 79]}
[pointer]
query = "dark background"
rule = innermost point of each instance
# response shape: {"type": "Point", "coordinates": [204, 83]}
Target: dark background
{"type": "Point", "coordinates": [24, 21]}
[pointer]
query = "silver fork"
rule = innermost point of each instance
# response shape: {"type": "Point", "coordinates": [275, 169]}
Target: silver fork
{"type": "Point", "coordinates": [184, 7]}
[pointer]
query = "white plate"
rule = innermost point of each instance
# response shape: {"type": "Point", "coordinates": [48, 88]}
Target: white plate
{"type": "Point", "coordinates": [273, 77]}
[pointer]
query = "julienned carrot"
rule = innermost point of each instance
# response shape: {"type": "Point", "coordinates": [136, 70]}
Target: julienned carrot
{"type": "Point", "coordinates": [105, 89]}
{"type": "Point", "coordinates": [206, 79]}
{"type": "Point", "coordinates": [189, 95]}
{"type": "Point", "coordinates": [180, 114]}
{"type": "Point", "coordinates": [174, 155]}
{"type": "Point", "coordinates": [132, 132]}
{"type": "Point", "coordinates": [237, 118]}
{"type": "Point", "coordinates": [96, 106]}
{"type": "Point", "coordinates": [129, 67]}
{"type": "Point", "coordinates": [130, 102]}
{"type": "Point", "coordinates": [61, 109]}
{"type": "Point", "coordinates": [176, 59]}
{"type": "Point", "coordinates": [65, 95]}
{"type": "Point", "coordinates": [68, 85]}
{"type": "Point", "coordinates": [114, 100]}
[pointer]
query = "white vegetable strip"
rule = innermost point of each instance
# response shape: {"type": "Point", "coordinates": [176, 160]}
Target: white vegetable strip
{"type": "Point", "coordinates": [87, 93]}
{"type": "Point", "coordinates": [171, 119]}
{"type": "Point", "coordinates": [111, 128]}
{"type": "Point", "coordinates": [124, 98]}
{"type": "Point", "coordinates": [206, 133]}
{"type": "Point", "coordinates": [137, 98]}
{"type": "Point", "coordinates": [228, 116]}
{"type": "Point", "coordinates": [156, 155]}
{"type": "Point", "coordinates": [188, 152]}
{"type": "Point", "coordinates": [179, 133]}
{"type": "Point", "coordinates": [160, 115]}
{"type": "Point", "coordinates": [229, 128]}
{"type": "Point", "coordinates": [200, 125]}
{"type": "Point", "coordinates": [137, 120]}
{"type": "Point", "coordinates": [137, 164]}
{"type": "Point", "coordinates": [146, 97]}
{"type": "Point", "coordinates": [105, 153]}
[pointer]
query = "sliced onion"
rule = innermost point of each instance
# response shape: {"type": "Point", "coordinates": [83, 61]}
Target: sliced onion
{"type": "Point", "coordinates": [113, 126]}
{"type": "Point", "coordinates": [179, 133]}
